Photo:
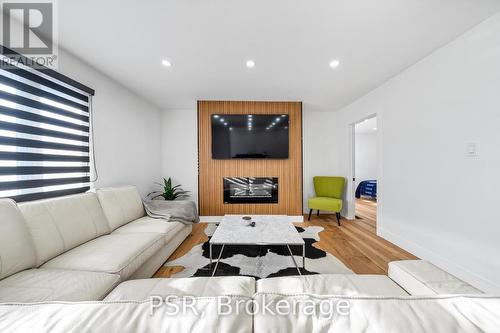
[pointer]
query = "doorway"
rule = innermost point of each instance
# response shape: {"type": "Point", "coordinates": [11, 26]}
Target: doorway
{"type": "Point", "coordinates": [365, 170]}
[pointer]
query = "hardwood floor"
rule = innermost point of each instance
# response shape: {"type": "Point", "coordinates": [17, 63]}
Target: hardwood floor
{"type": "Point", "coordinates": [366, 209]}
{"type": "Point", "coordinates": [355, 243]}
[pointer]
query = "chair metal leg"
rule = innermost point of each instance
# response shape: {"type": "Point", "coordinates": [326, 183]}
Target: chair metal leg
{"type": "Point", "coordinates": [338, 218]}
{"type": "Point", "coordinates": [310, 212]}
{"type": "Point", "coordinates": [317, 214]}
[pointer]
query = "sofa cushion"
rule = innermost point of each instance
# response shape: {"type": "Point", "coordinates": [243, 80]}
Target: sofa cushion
{"type": "Point", "coordinates": [201, 315]}
{"type": "Point", "coordinates": [419, 277]}
{"type": "Point", "coordinates": [60, 224]}
{"type": "Point", "coordinates": [121, 205]}
{"type": "Point", "coordinates": [118, 254]}
{"type": "Point", "coordinates": [138, 290]}
{"type": "Point", "coordinates": [324, 203]}
{"type": "Point", "coordinates": [149, 224]}
{"type": "Point", "coordinates": [310, 313]}
{"type": "Point", "coordinates": [16, 248]}
{"type": "Point", "coordinates": [331, 284]}
{"type": "Point", "coordinates": [39, 285]}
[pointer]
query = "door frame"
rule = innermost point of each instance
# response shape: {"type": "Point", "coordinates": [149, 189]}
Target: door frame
{"type": "Point", "coordinates": [351, 182]}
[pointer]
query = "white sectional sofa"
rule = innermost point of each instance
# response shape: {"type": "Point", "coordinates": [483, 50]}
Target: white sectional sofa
{"type": "Point", "coordinates": [79, 247]}
{"type": "Point", "coordinates": [375, 304]}
{"type": "Point", "coordinates": [77, 264]}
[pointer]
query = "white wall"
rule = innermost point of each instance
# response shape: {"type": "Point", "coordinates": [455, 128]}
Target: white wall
{"type": "Point", "coordinates": [365, 157]}
{"type": "Point", "coordinates": [320, 137]}
{"type": "Point", "coordinates": [433, 200]}
{"type": "Point", "coordinates": [127, 129]}
{"type": "Point", "coordinates": [180, 148]}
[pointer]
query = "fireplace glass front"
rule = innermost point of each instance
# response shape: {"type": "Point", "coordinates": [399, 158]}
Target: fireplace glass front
{"type": "Point", "coordinates": [250, 190]}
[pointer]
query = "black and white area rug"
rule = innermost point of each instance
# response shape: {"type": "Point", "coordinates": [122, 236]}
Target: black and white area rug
{"type": "Point", "coordinates": [259, 261]}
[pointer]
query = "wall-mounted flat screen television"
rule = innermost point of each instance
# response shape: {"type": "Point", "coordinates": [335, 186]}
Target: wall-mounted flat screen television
{"type": "Point", "coordinates": [250, 136]}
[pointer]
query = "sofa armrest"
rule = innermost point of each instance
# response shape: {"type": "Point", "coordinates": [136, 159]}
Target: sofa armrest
{"type": "Point", "coordinates": [419, 277]}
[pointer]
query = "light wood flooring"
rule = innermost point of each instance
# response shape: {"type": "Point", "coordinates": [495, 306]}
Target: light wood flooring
{"type": "Point", "coordinates": [355, 243]}
{"type": "Point", "coordinates": [366, 209]}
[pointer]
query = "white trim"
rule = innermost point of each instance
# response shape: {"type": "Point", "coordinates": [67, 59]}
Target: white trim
{"type": "Point", "coordinates": [350, 209]}
{"type": "Point", "coordinates": [210, 219]}
{"type": "Point", "coordinates": [297, 219]}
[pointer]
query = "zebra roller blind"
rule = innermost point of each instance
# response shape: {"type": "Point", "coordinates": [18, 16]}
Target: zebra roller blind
{"type": "Point", "coordinates": [44, 132]}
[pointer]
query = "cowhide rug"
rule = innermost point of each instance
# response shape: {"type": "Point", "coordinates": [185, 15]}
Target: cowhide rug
{"type": "Point", "coordinates": [259, 261]}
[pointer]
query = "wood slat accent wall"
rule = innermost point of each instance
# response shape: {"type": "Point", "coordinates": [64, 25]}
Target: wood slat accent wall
{"type": "Point", "coordinates": [212, 172]}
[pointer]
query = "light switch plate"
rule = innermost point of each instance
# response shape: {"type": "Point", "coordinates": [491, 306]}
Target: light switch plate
{"type": "Point", "coordinates": [471, 149]}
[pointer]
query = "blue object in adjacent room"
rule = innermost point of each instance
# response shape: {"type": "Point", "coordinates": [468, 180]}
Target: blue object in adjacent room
{"type": "Point", "coordinates": [367, 188]}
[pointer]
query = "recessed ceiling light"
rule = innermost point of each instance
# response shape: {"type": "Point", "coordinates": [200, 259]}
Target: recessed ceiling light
{"type": "Point", "coordinates": [216, 116]}
{"type": "Point", "coordinates": [230, 128]}
{"type": "Point", "coordinates": [250, 116]}
{"type": "Point", "coordinates": [334, 63]}
{"type": "Point", "coordinates": [274, 124]}
{"type": "Point", "coordinates": [225, 124]}
{"type": "Point", "coordinates": [250, 63]}
{"type": "Point", "coordinates": [283, 115]}
{"type": "Point", "coordinates": [166, 63]}
{"type": "Point", "coordinates": [221, 120]}
{"type": "Point", "coordinates": [278, 119]}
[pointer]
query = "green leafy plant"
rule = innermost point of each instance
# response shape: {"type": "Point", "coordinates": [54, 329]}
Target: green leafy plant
{"type": "Point", "coordinates": [169, 192]}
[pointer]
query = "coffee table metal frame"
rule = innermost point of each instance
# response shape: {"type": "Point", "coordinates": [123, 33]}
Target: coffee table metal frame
{"type": "Point", "coordinates": [260, 244]}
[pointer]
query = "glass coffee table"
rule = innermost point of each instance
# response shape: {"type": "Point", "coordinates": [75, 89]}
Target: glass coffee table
{"type": "Point", "coordinates": [268, 230]}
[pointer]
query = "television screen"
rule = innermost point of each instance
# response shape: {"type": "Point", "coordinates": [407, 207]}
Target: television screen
{"type": "Point", "coordinates": [250, 136]}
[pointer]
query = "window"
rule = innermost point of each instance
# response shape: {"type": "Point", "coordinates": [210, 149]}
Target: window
{"type": "Point", "coordinates": [45, 126]}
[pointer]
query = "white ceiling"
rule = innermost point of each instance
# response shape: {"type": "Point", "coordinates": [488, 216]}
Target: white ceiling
{"type": "Point", "coordinates": [367, 126]}
{"type": "Point", "coordinates": [291, 41]}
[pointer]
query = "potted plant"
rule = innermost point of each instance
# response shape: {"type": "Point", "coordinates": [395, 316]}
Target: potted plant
{"type": "Point", "coordinates": [169, 192]}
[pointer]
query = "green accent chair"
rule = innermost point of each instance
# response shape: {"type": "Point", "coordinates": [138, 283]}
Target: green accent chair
{"type": "Point", "coordinates": [329, 192]}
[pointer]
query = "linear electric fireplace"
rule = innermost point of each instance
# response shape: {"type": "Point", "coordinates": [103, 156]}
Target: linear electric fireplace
{"type": "Point", "coordinates": [250, 190]}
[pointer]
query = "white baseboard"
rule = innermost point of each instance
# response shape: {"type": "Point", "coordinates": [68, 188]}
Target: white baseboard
{"type": "Point", "coordinates": [210, 219]}
{"type": "Point", "coordinates": [451, 267]}
{"type": "Point", "coordinates": [216, 219]}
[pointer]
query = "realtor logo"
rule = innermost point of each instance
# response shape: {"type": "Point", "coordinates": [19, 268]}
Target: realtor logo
{"type": "Point", "coordinates": [28, 28]}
